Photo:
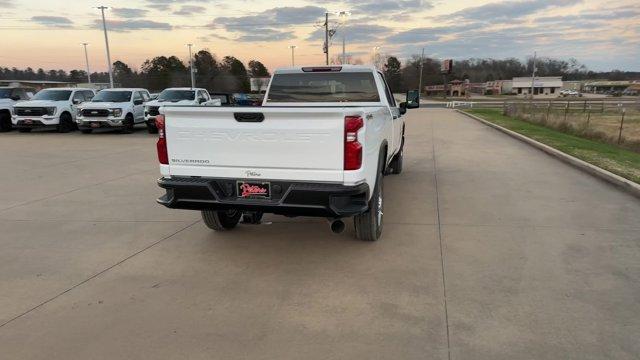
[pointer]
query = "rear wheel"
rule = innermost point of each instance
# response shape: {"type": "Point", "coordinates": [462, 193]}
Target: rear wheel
{"type": "Point", "coordinates": [24, 130]}
{"type": "Point", "coordinates": [86, 131]}
{"type": "Point", "coordinates": [369, 224]}
{"type": "Point", "coordinates": [5, 121]}
{"type": "Point", "coordinates": [66, 123]}
{"type": "Point", "coordinates": [221, 220]}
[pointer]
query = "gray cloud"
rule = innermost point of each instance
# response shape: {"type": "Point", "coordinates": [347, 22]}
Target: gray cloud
{"type": "Point", "coordinates": [6, 3]}
{"type": "Point", "coordinates": [387, 7]}
{"type": "Point", "coordinates": [427, 34]}
{"type": "Point", "coordinates": [596, 16]}
{"type": "Point", "coordinates": [129, 13]}
{"type": "Point", "coordinates": [266, 26]}
{"type": "Point", "coordinates": [129, 25]}
{"type": "Point", "coordinates": [187, 10]}
{"type": "Point", "coordinates": [52, 21]}
{"type": "Point", "coordinates": [506, 10]}
{"type": "Point", "coordinates": [163, 5]}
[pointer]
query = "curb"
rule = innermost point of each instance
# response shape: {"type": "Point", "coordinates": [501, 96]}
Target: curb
{"type": "Point", "coordinates": [616, 180]}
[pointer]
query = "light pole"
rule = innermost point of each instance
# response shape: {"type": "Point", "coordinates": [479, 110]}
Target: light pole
{"type": "Point", "coordinates": [421, 68]}
{"type": "Point", "coordinates": [344, 15]}
{"type": "Point", "coordinates": [193, 77]}
{"type": "Point", "coordinates": [106, 40]}
{"type": "Point", "coordinates": [293, 57]}
{"type": "Point", "coordinates": [86, 58]}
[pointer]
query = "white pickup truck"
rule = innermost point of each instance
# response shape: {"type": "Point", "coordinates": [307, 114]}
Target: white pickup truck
{"type": "Point", "coordinates": [176, 96]}
{"type": "Point", "coordinates": [9, 96]}
{"type": "Point", "coordinates": [50, 108]}
{"type": "Point", "coordinates": [320, 145]}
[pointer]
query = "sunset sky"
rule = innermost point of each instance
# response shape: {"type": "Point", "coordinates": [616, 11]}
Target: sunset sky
{"type": "Point", "coordinates": [604, 35]}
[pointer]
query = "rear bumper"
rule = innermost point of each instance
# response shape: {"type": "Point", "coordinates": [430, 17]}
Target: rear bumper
{"type": "Point", "coordinates": [287, 198]}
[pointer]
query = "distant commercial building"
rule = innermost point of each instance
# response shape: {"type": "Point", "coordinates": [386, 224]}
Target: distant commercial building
{"type": "Point", "coordinates": [498, 87]}
{"type": "Point", "coordinates": [455, 88]}
{"type": "Point", "coordinates": [598, 87]}
{"type": "Point", "coordinates": [36, 84]}
{"type": "Point", "coordinates": [548, 85]}
{"type": "Point", "coordinates": [572, 85]}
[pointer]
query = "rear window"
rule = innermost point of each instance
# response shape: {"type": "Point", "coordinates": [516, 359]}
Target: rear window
{"type": "Point", "coordinates": [324, 87]}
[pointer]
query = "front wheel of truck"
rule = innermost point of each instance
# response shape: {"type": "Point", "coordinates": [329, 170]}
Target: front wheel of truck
{"type": "Point", "coordinates": [369, 224]}
{"type": "Point", "coordinates": [221, 220]}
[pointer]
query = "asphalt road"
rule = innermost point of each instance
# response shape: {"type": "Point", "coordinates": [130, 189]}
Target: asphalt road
{"type": "Point", "coordinates": [491, 250]}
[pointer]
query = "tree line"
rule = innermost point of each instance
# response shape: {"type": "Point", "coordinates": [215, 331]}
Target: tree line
{"type": "Point", "coordinates": [230, 75]}
{"type": "Point", "coordinates": [160, 72]}
{"type": "Point", "coordinates": [402, 77]}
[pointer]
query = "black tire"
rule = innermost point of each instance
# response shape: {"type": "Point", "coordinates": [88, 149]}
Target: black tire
{"type": "Point", "coordinates": [66, 123]}
{"type": "Point", "coordinates": [221, 220]}
{"type": "Point", "coordinates": [152, 129]}
{"type": "Point", "coordinates": [5, 121]}
{"type": "Point", "coordinates": [129, 124]}
{"type": "Point", "coordinates": [86, 131]}
{"type": "Point", "coordinates": [24, 130]}
{"type": "Point", "coordinates": [253, 217]}
{"type": "Point", "coordinates": [369, 224]}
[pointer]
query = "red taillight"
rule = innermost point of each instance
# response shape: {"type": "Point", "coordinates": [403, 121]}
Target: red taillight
{"type": "Point", "coordinates": [352, 148]}
{"type": "Point", "coordinates": [163, 156]}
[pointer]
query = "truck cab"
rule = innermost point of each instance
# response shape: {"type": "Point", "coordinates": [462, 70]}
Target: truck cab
{"type": "Point", "coordinates": [320, 145]}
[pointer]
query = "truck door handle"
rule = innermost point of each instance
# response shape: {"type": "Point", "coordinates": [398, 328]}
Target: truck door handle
{"type": "Point", "coordinates": [249, 117]}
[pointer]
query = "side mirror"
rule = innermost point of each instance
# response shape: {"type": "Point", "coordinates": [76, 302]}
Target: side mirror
{"type": "Point", "coordinates": [15, 98]}
{"type": "Point", "coordinates": [403, 108]}
{"type": "Point", "coordinates": [413, 99]}
{"type": "Point", "coordinates": [76, 101]}
{"type": "Point", "coordinates": [201, 100]}
{"type": "Point", "coordinates": [137, 102]}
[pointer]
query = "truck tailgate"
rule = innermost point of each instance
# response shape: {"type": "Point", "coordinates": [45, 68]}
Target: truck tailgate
{"type": "Point", "coordinates": [266, 142]}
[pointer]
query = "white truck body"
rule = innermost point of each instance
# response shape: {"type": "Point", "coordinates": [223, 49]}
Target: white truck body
{"type": "Point", "coordinates": [304, 142]}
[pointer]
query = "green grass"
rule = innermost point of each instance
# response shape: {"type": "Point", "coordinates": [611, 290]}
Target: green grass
{"type": "Point", "coordinates": [610, 157]}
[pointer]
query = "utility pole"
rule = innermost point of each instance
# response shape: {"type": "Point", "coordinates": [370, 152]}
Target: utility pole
{"type": "Point", "coordinates": [106, 40]}
{"type": "Point", "coordinates": [421, 67]}
{"type": "Point", "coordinates": [193, 77]}
{"type": "Point", "coordinates": [293, 56]}
{"type": "Point", "coordinates": [533, 75]}
{"type": "Point", "coordinates": [86, 58]}
{"type": "Point", "coordinates": [326, 37]}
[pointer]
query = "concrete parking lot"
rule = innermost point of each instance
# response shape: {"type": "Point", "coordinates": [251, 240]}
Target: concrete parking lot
{"type": "Point", "coordinates": [491, 250]}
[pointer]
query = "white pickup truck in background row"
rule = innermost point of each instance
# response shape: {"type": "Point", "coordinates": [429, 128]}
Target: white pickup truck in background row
{"type": "Point", "coordinates": [320, 145]}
